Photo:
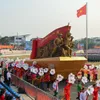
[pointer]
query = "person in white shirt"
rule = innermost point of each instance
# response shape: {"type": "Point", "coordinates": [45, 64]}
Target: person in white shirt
{"type": "Point", "coordinates": [83, 94]}
{"type": "Point", "coordinates": [55, 87]}
{"type": "Point", "coordinates": [8, 78]}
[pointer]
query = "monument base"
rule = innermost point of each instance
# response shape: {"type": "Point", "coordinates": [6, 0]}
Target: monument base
{"type": "Point", "coordinates": [62, 65]}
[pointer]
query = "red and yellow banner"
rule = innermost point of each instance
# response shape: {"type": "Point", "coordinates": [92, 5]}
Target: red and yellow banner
{"type": "Point", "coordinates": [53, 35]}
{"type": "Point", "coordinates": [81, 11]}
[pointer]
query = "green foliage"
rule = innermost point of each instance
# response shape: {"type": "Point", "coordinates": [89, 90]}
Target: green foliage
{"type": "Point", "coordinates": [4, 40]}
{"type": "Point", "coordinates": [91, 43]}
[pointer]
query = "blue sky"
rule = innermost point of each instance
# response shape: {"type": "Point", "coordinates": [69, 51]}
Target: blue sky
{"type": "Point", "coordinates": [40, 17]}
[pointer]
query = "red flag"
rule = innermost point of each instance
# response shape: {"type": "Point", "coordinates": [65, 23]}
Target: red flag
{"type": "Point", "coordinates": [81, 11]}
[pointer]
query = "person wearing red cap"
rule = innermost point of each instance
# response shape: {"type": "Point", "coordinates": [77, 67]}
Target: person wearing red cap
{"type": "Point", "coordinates": [67, 91]}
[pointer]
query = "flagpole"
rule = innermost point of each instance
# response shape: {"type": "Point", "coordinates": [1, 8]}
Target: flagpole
{"type": "Point", "coordinates": [87, 31]}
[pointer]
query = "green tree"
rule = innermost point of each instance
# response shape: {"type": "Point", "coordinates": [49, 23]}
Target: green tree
{"type": "Point", "coordinates": [91, 43]}
{"type": "Point", "coordinates": [4, 40]}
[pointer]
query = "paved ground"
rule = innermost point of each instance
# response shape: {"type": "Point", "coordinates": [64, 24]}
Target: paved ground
{"type": "Point", "coordinates": [73, 91]}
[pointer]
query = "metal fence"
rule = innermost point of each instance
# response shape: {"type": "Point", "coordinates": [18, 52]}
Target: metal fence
{"type": "Point", "coordinates": [31, 90]}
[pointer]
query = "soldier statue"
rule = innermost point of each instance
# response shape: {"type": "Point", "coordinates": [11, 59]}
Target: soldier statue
{"type": "Point", "coordinates": [58, 43]}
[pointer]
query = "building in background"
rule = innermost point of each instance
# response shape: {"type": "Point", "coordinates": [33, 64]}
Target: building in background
{"type": "Point", "coordinates": [18, 39]}
{"type": "Point", "coordinates": [28, 45]}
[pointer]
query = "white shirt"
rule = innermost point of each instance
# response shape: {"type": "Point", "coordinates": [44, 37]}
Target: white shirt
{"type": "Point", "coordinates": [83, 95]}
{"type": "Point", "coordinates": [55, 86]}
{"type": "Point", "coordinates": [1, 71]}
{"type": "Point", "coordinates": [8, 75]}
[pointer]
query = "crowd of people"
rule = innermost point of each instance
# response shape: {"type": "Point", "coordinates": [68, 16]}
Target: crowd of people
{"type": "Point", "coordinates": [89, 73]}
{"type": "Point", "coordinates": [5, 96]}
{"type": "Point", "coordinates": [38, 76]}
{"type": "Point", "coordinates": [5, 76]}
{"type": "Point", "coordinates": [34, 74]}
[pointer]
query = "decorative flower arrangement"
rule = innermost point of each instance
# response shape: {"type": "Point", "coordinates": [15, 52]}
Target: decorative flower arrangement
{"type": "Point", "coordinates": [91, 67]}
{"type": "Point", "coordinates": [13, 64]}
{"type": "Point", "coordinates": [18, 65]}
{"type": "Point", "coordinates": [52, 71]}
{"type": "Point", "coordinates": [98, 83]}
{"type": "Point", "coordinates": [41, 69]}
{"type": "Point", "coordinates": [34, 70]}
{"type": "Point", "coordinates": [90, 90]}
{"type": "Point", "coordinates": [84, 80]}
{"type": "Point", "coordinates": [71, 75]}
{"type": "Point", "coordinates": [46, 70]}
{"type": "Point", "coordinates": [25, 66]}
{"type": "Point", "coordinates": [41, 73]}
{"type": "Point", "coordinates": [71, 81]}
{"type": "Point", "coordinates": [71, 78]}
{"type": "Point", "coordinates": [59, 77]}
{"type": "Point", "coordinates": [85, 67]}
